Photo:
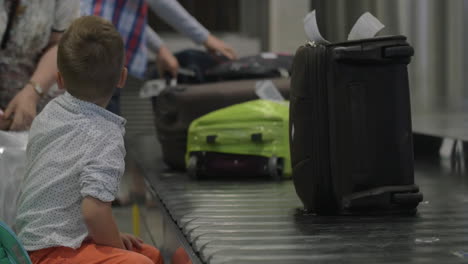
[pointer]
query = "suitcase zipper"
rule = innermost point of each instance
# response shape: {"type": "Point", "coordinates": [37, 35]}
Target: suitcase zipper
{"type": "Point", "coordinates": [327, 194]}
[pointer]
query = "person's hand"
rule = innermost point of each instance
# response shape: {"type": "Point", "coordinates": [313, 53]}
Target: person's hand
{"type": "Point", "coordinates": [215, 45]}
{"type": "Point", "coordinates": [22, 109]}
{"type": "Point", "coordinates": [131, 241]}
{"type": "Point", "coordinates": [166, 62]}
{"type": "Point", "coordinates": [4, 123]}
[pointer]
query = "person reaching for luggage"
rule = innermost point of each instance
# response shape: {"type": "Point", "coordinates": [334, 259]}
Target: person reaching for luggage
{"type": "Point", "coordinates": [29, 33]}
{"type": "Point", "coordinates": [130, 17]}
{"type": "Point", "coordinates": [176, 16]}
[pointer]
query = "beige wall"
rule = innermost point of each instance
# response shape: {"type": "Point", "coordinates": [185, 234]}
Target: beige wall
{"type": "Point", "coordinates": [286, 30]}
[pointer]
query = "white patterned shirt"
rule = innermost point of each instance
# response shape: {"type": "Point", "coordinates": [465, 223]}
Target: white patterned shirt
{"type": "Point", "coordinates": [129, 17]}
{"type": "Point", "coordinates": [76, 149]}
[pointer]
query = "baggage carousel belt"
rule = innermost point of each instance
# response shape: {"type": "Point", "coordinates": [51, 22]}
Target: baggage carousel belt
{"type": "Point", "coordinates": [262, 222]}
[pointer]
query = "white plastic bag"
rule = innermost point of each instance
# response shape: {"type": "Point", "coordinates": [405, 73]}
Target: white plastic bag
{"type": "Point", "coordinates": [12, 167]}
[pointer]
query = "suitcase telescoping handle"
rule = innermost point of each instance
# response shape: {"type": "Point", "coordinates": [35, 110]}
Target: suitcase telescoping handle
{"type": "Point", "coordinates": [360, 53]}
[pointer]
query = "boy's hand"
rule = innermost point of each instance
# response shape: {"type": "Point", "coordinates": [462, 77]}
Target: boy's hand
{"type": "Point", "coordinates": [131, 241]}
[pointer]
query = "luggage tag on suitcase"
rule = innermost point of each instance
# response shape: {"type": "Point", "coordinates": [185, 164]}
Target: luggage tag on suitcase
{"type": "Point", "coordinates": [367, 26]}
{"type": "Point", "coordinates": [312, 30]}
{"type": "Point", "coordinates": [267, 90]}
{"type": "Point", "coordinates": [153, 88]}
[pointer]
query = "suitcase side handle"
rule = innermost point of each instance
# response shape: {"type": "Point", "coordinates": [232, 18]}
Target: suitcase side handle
{"type": "Point", "coordinates": [211, 139]}
{"type": "Point", "coordinates": [373, 54]}
{"type": "Point", "coordinates": [255, 137]}
{"type": "Point", "coordinates": [398, 52]}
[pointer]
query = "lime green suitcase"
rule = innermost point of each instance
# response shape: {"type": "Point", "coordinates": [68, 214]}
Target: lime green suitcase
{"type": "Point", "coordinates": [247, 139]}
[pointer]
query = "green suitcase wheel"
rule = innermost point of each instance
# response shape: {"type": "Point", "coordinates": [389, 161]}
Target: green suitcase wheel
{"type": "Point", "coordinates": [192, 167]}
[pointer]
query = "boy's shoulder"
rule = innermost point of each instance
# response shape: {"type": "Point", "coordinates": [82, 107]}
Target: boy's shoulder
{"type": "Point", "coordinates": [66, 111]}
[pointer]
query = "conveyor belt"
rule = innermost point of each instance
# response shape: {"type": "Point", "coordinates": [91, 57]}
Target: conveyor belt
{"type": "Point", "coordinates": [444, 118]}
{"type": "Point", "coordinates": [262, 222]}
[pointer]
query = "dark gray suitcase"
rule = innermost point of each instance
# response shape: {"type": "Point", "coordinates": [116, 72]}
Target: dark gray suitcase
{"type": "Point", "coordinates": [350, 123]}
{"type": "Point", "coordinates": [175, 108]}
{"type": "Point", "coordinates": [266, 65]}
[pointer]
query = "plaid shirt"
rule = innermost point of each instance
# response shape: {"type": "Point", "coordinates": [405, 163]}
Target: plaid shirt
{"type": "Point", "coordinates": [129, 17]}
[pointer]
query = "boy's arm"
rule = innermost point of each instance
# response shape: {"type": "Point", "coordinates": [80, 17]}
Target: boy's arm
{"type": "Point", "coordinates": [99, 183]}
{"type": "Point", "coordinates": [100, 222]}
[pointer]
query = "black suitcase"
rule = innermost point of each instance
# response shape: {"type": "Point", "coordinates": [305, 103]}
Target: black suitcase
{"type": "Point", "coordinates": [194, 61]}
{"type": "Point", "coordinates": [205, 67]}
{"type": "Point", "coordinates": [264, 65]}
{"type": "Point", "coordinates": [350, 127]}
{"type": "Point", "coordinates": [198, 62]}
{"type": "Point", "coordinates": [175, 108]}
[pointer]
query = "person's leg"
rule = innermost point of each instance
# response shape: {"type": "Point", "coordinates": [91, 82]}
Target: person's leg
{"type": "Point", "coordinates": [95, 254]}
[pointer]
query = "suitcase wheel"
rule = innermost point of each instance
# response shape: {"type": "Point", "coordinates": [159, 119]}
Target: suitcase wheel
{"type": "Point", "coordinates": [275, 168]}
{"type": "Point", "coordinates": [192, 167]}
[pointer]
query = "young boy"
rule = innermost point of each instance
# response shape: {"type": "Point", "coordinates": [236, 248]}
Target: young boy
{"type": "Point", "coordinates": [75, 158]}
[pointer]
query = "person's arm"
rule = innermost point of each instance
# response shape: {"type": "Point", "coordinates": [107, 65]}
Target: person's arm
{"type": "Point", "coordinates": [22, 109]}
{"type": "Point", "coordinates": [102, 228]}
{"type": "Point", "coordinates": [100, 222]}
{"type": "Point", "coordinates": [165, 60]}
{"type": "Point", "coordinates": [46, 71]}
{"type": "Point", "coordinates": [153, 40]}
{"type": "Point", "coordinates": [23, 105]}
{"type": "Point", "coordinates": [99, 182]}
{"type": "Point", "coordinates": [176, 16]}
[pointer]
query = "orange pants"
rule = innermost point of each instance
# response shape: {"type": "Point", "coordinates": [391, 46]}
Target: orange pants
{"type": "Point", "coordinates": [90, 253]}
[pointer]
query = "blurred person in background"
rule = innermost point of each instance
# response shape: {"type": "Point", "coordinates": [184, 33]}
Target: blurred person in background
{"type": "Point", "coordinates": [29, 33]}
{"type": "Point", "coordinates": [130, 18]}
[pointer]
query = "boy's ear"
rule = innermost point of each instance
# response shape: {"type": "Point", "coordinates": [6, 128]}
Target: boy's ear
{"type": "Point", "coordinates": [123, 78]}
{"type": "Point", "coordinates": [60, 83]}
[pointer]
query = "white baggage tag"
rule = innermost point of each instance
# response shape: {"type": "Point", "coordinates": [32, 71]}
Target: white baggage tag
{"type": "Point", "coordinates": [311, 28]}
{"type": "Point", "coordinates": [367, 26]}
{"type": "Point", "coordinates": [152, 88]}
{"type": "Point", "coordinates": [267, 90]}
{"type": "Point", "coordinates": [269, 55]}
{"type": "Point", "coordinates": [173, 82]}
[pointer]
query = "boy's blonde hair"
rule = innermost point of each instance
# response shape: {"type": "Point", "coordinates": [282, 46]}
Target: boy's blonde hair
{"type": "Point", "coordinates": [90, 58]}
